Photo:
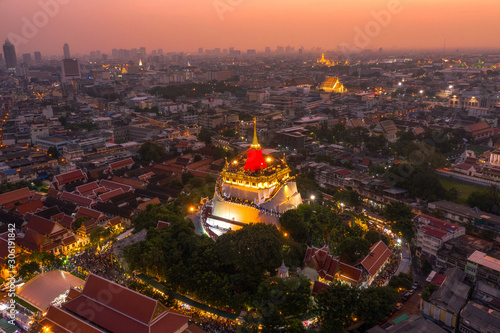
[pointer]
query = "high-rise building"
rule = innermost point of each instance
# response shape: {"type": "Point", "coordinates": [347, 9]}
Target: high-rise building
{"type": "Point", "coordinates": [142, 51]}
{"type": "Point", "coordinates": [70, 69]}
{"type": "Point", "coordinates": [1, 58]}
{"type": "Point", "coordinates": [27, 59]}
{"type": "Point", "coordinates": [38, 57]}
{"type": "Point", "coordinates": [200, 50]}
{"type": "Point", "coordinates": [66, 51]}
{"type": "Point", "coordinates": [251, 52]}
{"type": "Point", "coordinates": [268, 50]}
{"type": "Point", "coordinates": [160, 52]}
{"type": "Point", "coordinates": [9, 52]}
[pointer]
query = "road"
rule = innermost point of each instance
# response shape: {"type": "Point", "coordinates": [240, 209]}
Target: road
{"type": "Point", "coordinates": [197, 222]}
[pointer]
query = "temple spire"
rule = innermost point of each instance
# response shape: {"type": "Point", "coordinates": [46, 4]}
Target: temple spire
{"type": "Point", "coordinates": [255, 142]}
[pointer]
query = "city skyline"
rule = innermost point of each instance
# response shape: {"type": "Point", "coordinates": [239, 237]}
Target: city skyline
{"type": "Point", "coordinates": [396, 24]}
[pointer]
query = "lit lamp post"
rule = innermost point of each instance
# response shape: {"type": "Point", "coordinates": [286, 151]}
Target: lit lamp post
{"type": "Point", "coordinates": [312, 199]}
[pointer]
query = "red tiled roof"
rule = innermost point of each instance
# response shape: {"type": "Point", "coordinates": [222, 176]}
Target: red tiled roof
{"type": "Point", "coordinates": [343, 172]}
{"type": "Point", "coordinates": [379, 253]}
{"type": "Point", "coordinates": [69, 177]}
{"type": "Point", "coordinates": [114, 221]}
{"type": "Point", "coordinates": [318, 287]}
{"type": "Point", "coordinates": [60, 321]}
{"type": "Point", "coordinates": [434, 232]}
{"type": "Point", "coordinates": [16, 195]}
{"type": "Point", "coordinates": [162, 224]}
{"type": "Point", "coordinates": [87, 212]}
{"type": "Point", "coordinates": [125, 311]}
{"type": "Point", "coordinates": [110, 185]}
{"type": "Point", "coordinates": [30, 207]}
{"type": "Point", "coordinates": [121, 164]}
{"type": "Point", "coordinates": [129, 182]}
{"type": "Point", "coordinates": [438, 223]}
{"type": "Point", "coordinates": [69, 240]}
{"type": "Point", "coordinates": [144, 205]}
{"type": "Point", "coordinates": [41, 225]}
{"type": "Point", "coordinates": [87, 188]}
{"type": "Point", "coordinates": [350, 274]}
{"type": "Point", "coordinates": [111, 194]}
{"type": "Point", "coordinates": [478, 127]}
{"type": "Point", "coordinates": [77, 199]}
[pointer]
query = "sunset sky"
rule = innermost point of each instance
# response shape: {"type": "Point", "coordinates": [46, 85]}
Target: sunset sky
{"type": "Point", "coordinates": [188, 24]}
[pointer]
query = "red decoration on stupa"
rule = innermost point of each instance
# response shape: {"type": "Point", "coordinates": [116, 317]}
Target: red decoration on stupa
{"type": "Point", "coordinates": [255, 158]}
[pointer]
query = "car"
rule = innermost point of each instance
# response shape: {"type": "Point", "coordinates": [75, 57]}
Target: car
{"type": "Point", "coordinates": [399, 306]}
{"type": "Point", "coordinates": [411, 292]}
{"type": "Point", "coordinates": [414, 286]}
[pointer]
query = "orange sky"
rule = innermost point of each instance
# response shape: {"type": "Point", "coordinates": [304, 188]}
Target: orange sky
{"type": "Point", "coordinates": [188, 24]}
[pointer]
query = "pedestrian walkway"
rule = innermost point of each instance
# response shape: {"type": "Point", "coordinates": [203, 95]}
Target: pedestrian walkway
{"type": "Point", "coordinates": [187, 300]}
{"type": "Point", "coordinates": [405, 263]}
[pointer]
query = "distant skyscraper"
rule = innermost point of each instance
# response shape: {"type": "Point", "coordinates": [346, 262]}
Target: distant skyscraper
{"type": "Point", "coordinates": [200, 50]}
{"type": "Point", "coordinates": [251, 52]}
{"type": "Point", "coordinates": [268, 50]}
{"type": "Point", "coordinates": [66, 51]}
{"type": "Point", "coordinates": [142, 51]}
{"type": "Point", "coordinates": [160, 52]}
{"type": "Point", "coordinates": [9, 52]}
{"type": "Point", "coordinates": [104, 57]}
{"type": "Point", "coordinates": [1, 58]}
{"type": "Point", "coordinates": [38, 57]}
{"type": "Point", "coordinates": [27, 59]}
{"type": "Point", "coordinates": [70, 69]}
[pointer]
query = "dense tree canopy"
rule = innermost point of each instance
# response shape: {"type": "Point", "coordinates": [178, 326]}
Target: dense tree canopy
{"type": "Point", "coordinates": [151, 151]}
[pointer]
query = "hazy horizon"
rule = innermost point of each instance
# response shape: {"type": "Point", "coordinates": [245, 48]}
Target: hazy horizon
{"type": "Point", "coordinates": [190, 24]}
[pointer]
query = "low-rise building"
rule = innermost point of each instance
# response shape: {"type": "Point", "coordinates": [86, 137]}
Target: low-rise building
{"type": "Point", "coordinates": [464, 215]}
{"type": "Point", "coordinates": [445, 304]}
{"type": "Point", "coordinates": [432, 233]}
{"type": "Point", "coordinates": [482, 267]}
{"type": "Point", "coordinates": [476, 318]}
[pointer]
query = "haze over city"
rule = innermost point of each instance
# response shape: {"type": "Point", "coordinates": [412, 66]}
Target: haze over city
{"type": "Point", "coordinates": [189, 24]}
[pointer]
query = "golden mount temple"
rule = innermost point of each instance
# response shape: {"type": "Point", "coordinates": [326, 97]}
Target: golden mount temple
{"type": "Point", "coordinates": [253, 188]}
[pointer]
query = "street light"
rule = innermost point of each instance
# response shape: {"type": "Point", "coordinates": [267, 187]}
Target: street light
{"type": "Point", "coordinates": [313, 197]}
{"type": "Point", "coordinates": [191, 209]}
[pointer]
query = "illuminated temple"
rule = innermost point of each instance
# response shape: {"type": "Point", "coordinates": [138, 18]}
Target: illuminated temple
{"type": "Point", "coordinates": [252, 188]}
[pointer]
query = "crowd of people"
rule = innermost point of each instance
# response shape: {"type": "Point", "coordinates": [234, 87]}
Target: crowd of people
{"type": "Point", "coordinates": [101, 263]}
{"type": "Point", "coordinates": [211, 323]}
{"type": "Point", "coordinates": [389, 270]}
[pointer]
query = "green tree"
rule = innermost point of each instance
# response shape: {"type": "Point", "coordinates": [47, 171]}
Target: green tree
{"type": "Point", "coordinates": [206, 135]}
{"type": "Point", "coordinates": [293, 223]}
{"type": "Point", "coordinates": [354, 248]}
{"type": "Point", "coordinates": [28, 269]}
{"type": "Point", "coordinates": [335, 306]}
{"type": "Point", "coordinates": [151, 151]}
{"type": "Point", "coordinates": [428, 290]}
{"type": "Point", "coordinates": [372, 236]}
{"type": "Point", "coordinates": [375, 304]}
{"type": "Point", "coordinates": [186, 176]}
{"type": "Point", "coordinates": [397, 211]}
{"type": "Point", "coordinates": [277, 299]}
{"type": "Point", "coordinates": [255, 248]}
{"type": "Point", "coordinates": [402, 280]}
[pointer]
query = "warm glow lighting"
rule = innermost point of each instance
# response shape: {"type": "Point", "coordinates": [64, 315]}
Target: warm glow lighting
{"type": "Point", "coordinates": [313, 197]}
{"type": "Point", "coordinates": [421, 91]}
{"type": "Point", "coordinates": [286, 235]}
{"type": "Point", "coordinates": [399, 240]}
{"type": "Point", "coordinates": [235, 162]}
{"type": "Point", "coordinates": [191, 209]}
{"type": "Point", "coordinates": [268, 159]}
